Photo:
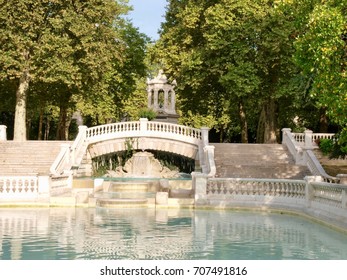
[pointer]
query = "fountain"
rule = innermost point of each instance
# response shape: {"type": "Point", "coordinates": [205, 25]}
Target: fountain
{"type": "Point", "coordinates": [143, 165]}
{"type": "Point", "coordinates": [137, 182]}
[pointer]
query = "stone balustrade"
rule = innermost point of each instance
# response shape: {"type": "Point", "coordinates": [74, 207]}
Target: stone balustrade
{"type": "Point", "coordinates": [312, 196]}
{"type": "Point", "coordinates": [329, 195]}
{"type": "Point", "coordinates": [308, 139]}
{"type": "Point", "coordinates": [34, 187]}
{"type": "Point", "coordinates": [258, 187]}
{"type": "Point", "coordinates": [19, 187]}
{"type": "Point", "coordinates": [143, 128]}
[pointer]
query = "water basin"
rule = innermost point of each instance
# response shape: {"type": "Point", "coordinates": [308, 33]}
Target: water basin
{"type": "Point", "coordinates": [106, 233]}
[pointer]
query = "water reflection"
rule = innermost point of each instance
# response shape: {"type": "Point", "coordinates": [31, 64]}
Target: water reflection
{"type": "Point", "coordinates": [163, 234]}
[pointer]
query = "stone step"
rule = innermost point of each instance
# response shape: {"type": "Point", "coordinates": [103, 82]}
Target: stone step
{"type": "Point", "coordinates": [256, 161]}
{"type": "Point", "coordinates": [29, 157]}
{"type": "Point", "coordinates": [117, 202]}
{"type": "Point", "coordinates": [271, 172]}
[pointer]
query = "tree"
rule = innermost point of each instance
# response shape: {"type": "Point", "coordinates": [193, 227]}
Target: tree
{"type": "Point", "coordinates": [231, 60]}
{"type": "Point", "coordinates": [321, 51]}
{"type": "Point", "coordinates": [70, 46]}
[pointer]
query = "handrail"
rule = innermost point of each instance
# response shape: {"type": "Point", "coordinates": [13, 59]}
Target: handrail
{"type": "Point", "coordinates": [61, 160]}
{"type": "Point", "coordinates": [302, 151]}
{"type": "Point", "coordinates": [317, 169]}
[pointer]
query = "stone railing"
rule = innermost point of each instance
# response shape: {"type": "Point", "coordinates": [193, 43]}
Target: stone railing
{"type": "Point", "coordinates": [308, 139]}
{"type": "Point", "coordinates": [329, 195]}
{"type": "Point", "coordinates": [62, 161]}
{"type": "Point", "coordinates": [322, 200]}
{"type": "Point", "coordinates": [33, 187]}
{"type": "Point", "coordinates": [143, 128]}
{"type": "Point", "coordinates": [300, 146]}
{"type": "Point", "coordinates": [21, 187]}
{"type": "Point", "coordinates": [256, 187]}
{"type": "Point", "coordinates": [113, 129]}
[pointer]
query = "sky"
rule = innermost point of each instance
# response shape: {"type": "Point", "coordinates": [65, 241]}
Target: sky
{"type": "Point", "coordinates": [147, 16]}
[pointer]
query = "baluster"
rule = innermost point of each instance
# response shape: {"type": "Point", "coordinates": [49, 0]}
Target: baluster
{"type": "Point", "coordinates": [258, 188]}
{"type": "Point", "coordinates": [32, 182]}
{"type": "Point", "coordinates": [20, 184]}
{"type": "Point", "coordinates": [225, 188]}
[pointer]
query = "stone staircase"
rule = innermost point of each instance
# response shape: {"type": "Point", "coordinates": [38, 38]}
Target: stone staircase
{"type": "Point", "coordinates": [271, 161]}
{"type": "Point", "coordinates": [28, 158]}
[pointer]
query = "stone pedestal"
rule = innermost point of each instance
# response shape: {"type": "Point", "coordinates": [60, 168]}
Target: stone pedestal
{"type": "Point", "coordinates": [343, 178]}
{"type": "Point", "coordinates": [3, 133]}
{"type": "Point", "coordinates": [162, 198]}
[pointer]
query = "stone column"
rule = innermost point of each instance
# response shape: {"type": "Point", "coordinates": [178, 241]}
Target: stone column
{"type": "Point", "coordinates": [143, 124]}
{"type": "Point", "coordinates": [209, 152]}
{"type": "Point", "coordinates": [149, 99]}
{"type": "Point", "coordinates": [44, 184]}
{"type": "Point", "coordinates": [308, 139]}
{"type": "Point", "coordinates": [173, 105]}
{"type": "Point", "coordinates": [343, 178]}
{"type": "Point", "coordinates": [204, 135]}
{"type": "Point", "coordinates": [3, 133]}
{"type": "Point", "coordinates": [309, 192]}
{"type": "Point", "coordinates": [156, 105]}
{"type": "Point", "coordinates": [199, 181]}
{"type": "Point", "coordinates": [166, 95]}
{"type": "Point", "coordinates": [285, 134]}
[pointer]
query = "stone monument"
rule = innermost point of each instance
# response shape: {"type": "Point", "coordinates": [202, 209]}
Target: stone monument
{"type": "Point", "coordinates": [162, 98]}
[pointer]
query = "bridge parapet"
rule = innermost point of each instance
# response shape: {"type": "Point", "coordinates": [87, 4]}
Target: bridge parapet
{"type": "Point", "coordinates": [144, 128]}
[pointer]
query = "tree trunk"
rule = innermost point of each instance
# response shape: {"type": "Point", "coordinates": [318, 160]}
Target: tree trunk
{"type": "Point", "coordinates": [39, 136]}
{"type": "Point", "coordinates": [20, 131]}
{"type": "Point", "coordinates": [267, 126]}
{"type": "Point", "coordinates": [244, 124]}
{"type": "Point", "coordinates": [47, 129]}
{"type": "Point", "coordinates": [61, 132]}
{"type": "Point", "coordinates": [323, 121]}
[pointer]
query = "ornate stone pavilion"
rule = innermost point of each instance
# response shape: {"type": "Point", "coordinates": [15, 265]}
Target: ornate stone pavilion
{"type": "Point", "coordinates": [162, 98]}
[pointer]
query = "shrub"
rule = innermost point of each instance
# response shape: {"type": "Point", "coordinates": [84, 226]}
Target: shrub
{"type": "Point", "coordinates": [326, 146]}
{"type": "Point", "coordinates": [147, 113]}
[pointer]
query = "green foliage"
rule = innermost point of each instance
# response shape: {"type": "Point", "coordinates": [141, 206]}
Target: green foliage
{"type": "Point", "coordinates": [335, 148]}
{"type": "Point", "coordinates": [233, 62]}
{"type": "Point", "coordinates": [77, 55]}
{"type": "Point", "coordinates": [326, 146]}
{"type": "Point", "coordinates": [197, 120]}
{"type": "Point", "coordinates": [340, 147]}
{"type": "Point", "coordinates": [150, 114]}
{"type": "Point", "coordinates": [322, 54]}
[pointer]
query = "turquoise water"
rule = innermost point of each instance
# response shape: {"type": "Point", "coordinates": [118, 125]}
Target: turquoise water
{"type": "Point", "coordinates": [56, 233]}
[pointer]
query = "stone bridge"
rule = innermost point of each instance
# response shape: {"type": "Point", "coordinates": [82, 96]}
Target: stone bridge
{"type": "Point", "coordinates": [138, 135]}
{"type": "Point", "coordinates": [144, 135]}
